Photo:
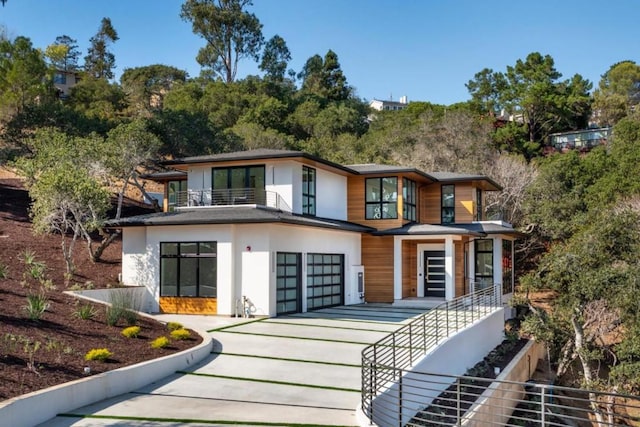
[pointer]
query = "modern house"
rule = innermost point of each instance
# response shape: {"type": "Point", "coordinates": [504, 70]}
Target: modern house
{"type": "Point", "coordinates": [64, 80]}
{"type": "Point", "coordinates": [582, 140]}
{"type": "Point", "coordinates": [389, 105]}
{"type": "Point", "coordinates": [286, 232]}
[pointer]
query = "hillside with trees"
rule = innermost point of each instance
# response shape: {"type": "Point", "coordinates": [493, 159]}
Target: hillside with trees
{"type": "Point", "coordinates": [579, 211]}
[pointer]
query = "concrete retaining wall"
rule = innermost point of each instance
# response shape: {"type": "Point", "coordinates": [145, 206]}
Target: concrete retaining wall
{"type": "Point", "coordinates": [37, 407]}
{"type": "Point", "coordinates": [138, 296]}
{"type": "Point", "coordinates": [496, 404]}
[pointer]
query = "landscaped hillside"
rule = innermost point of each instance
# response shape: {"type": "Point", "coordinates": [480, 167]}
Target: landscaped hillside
{"type": "Point", "coordinates": [36, 354]}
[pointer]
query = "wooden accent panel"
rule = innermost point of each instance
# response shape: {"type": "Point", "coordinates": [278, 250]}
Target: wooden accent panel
{"type": "Point", "coordinates": [431, 203]}
{"type": "Point", "coordinates": [186, 305]}
{"type": "Point", "coordinates": [356, 206]}
{"type": "Point", "coordinates": [377, 258]}
{"type": "Point", "coordinates": [409, 268]}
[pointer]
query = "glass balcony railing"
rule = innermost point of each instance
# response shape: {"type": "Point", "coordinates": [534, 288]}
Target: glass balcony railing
{"type": "Point", "coordinates": [229, 197]}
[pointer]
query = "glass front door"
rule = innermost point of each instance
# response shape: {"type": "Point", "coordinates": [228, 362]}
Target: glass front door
{"type": "Point", "coordinates": [434, 274]}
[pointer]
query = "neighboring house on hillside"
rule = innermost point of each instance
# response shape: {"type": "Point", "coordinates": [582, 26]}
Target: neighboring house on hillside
{"type": "Point", "coordinates": [64, 81]}
{"type": "Point", "coordinates": [293, 232]}
{"type": "Point", "coordinates": [582, 140]}
{"type": "Point", "coordinates": [381, 105]}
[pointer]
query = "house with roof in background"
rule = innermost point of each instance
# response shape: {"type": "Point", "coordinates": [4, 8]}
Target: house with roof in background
{"type": "Point", "coordinates": [288, 232]}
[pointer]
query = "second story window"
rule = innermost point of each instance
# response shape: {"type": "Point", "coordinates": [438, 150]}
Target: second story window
{"type": "Point", "coordinates": [381, 198]}
{"type": "Point", "coordinates": [408, 199]}
{"type": "Point", "coordinates": [448, 213]}
{"type": "Point", "coordinates": [176, 194]}
{"type": "Point", "coordinates": [479, 207]}
{"type": "Point", "coordinates": [308, 190]}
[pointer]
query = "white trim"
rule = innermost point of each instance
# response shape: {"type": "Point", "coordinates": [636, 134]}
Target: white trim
{"type": "Point", "coordinates": [449, 268]}
{"type": "Point", "coordinates": [397, 267]}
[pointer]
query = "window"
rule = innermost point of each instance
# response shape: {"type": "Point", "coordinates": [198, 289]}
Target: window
{"type": "Point", "coordinates": [238, 185]}
{"type": "Point", "coordinates": [381, 198]}
{"type": "Point", "coordinates": [479, 207]}
{"type": "Point", "coordinates": [288, 280]}
{"type": "Point", "coordinates": [60, 78]}
{"type": "Point", "coordinates": [188, 269]}
{"type": "Point", "coordinates": [507, 267]}
{"type": "Point", "coordinates": [325, 280]}
{"type": "Point", "coordinates": [408, 199]}
{"type": "Point", "coordinates": [484, 263]}
{"type": "Point", "coordinates": [448, 204]}
{"type": "Point", "coordinates": [308, 190]}
{"type": "Point", "coordinates": [176, 194]}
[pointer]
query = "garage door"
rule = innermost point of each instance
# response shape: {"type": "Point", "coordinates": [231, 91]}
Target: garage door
{"type": "Point", "coordinates": [325, 280]}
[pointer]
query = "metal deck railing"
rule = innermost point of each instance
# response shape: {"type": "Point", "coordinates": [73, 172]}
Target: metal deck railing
{"type": "Point", "coordinates": [230, 197]}
{"type": "Point", "coordinates": [385, 361]}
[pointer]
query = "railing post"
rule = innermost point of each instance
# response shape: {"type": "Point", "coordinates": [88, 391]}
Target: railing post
{"type": "Point", "coordinates": [399, 399]}
{"type": "Point", "coordinates": [543, 420]}
{"type": "Point", "coordinates": [410, 343]}
{"type": "Point", "coordinates": [458, 402]}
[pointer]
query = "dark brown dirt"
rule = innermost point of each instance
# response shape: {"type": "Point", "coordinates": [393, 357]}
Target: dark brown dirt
{"type": "Point", "coordinates": [36, 354]}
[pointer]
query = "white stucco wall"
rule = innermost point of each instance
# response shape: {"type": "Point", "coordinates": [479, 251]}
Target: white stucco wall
{"type": "Point", "coordinates": [246, 259]}
{"type": "Point", "coordinates": [331, 195]}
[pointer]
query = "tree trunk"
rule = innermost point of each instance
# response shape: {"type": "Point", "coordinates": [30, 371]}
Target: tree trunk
{"type": "Point", "coordinates": [586, 368]}
{"type": "Point", "coordinates": [104, 244]}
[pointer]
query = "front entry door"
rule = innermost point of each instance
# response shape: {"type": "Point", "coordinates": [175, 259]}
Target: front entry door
{"type": "Point", "coordinates": [434, 274]}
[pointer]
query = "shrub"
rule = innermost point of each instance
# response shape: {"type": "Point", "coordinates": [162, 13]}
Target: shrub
{"type": "Point", "coordinates": [36, 305]}
{"type": "Point", "coordinates": [100, 354]}
{"type": "Point", "coordinates": [85, 312]}
{"type": "Point", "coordinates": [131, 332]}
{"type": "Point", "coordinates": [172, 326]}
{"type": "Point", "coordinates": [124, 305]}
{"type": "Point", "coordinates": [180, 334]}
{"type": "Point", "coordinates": [4, 271]}
{"type": "Point", "coordinates": [160, 342]}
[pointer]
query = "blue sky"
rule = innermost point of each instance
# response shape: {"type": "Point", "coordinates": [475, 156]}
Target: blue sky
{"type": "Point", "coordinates": [424, 49]}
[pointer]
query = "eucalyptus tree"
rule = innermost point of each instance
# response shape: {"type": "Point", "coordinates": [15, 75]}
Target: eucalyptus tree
{"type": "Point", "coordinates": [230, 31]}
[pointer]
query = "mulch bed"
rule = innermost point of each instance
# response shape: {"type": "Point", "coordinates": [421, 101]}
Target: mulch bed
{"type": "Point", "coordinates": [36, 354]}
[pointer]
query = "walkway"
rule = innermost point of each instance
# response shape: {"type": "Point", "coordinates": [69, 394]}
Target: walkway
{"type": "Point", "coordinates": [297, 370]}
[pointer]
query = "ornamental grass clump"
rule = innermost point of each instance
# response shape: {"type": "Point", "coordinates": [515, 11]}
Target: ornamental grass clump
{"type": "Point", "coordinates": [100, 354]}
{"type": "Point", "coordinates": [131, 332]}
{"type": "Point", "coordinates": [160, 342]}
{"type": "Point", "coordinates": [36, 305]}
{"type": "Point", "coordinates": [180, 334]}
{"type": "Point", "coordinates": [172, 326]}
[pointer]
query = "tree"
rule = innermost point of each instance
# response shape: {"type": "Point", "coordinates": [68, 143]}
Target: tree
{"type": "Point", "coordinates": [63, 53]}
{"type": "Point", "coordinates": [100, 62]}
{"type": "Point", "coordinates": [147, 86]}
{"type": "Point", "coordinates": [231, 33]}
{"type": "Point", "coordinates": [98, 99]}
{"type": "Point", "coordinates": [618, 92]}
{"type": "Point", "coordinates": [324, 78]}
{"type": "Point", "coordinates": [23, 76]}
{"type": "Point", "coordinates": [532, 94]}
{"type": "Point", "coordinates": [275, 58]}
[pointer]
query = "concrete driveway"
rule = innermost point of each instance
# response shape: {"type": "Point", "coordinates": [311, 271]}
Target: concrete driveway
{"type": "Point", "coordinates": [298, 370]}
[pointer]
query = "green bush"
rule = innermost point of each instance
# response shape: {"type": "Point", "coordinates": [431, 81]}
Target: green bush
{"type": "Point", "coordinates": [36, 305]}
{"type": "Point", "coordinates": [180, 334]}
{"type": "Point", "coordinates": [172, 326]}
{"type": "Point", "coordinates": [85, 312]}
{"type": "Point", "coordinates": [100, 354]}
{"type": "Point", "coordinates": [160, 342]}
{"type": "Point", "coordinates": [131, 332]}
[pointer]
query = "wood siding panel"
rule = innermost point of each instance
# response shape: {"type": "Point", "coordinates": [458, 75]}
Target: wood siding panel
{"type": "Point", "coordinates": [431, 203]}
{"type": "Point", "coordinates": [377, 258]}
{"type": "Point", "coordinates": [409, 268]}
{"type": "Point", "coordinates": [356, 206]}
{"type": "Point", "coordinates": [459, 269]}
{"type": "Point", "coordinates": [185, 305]}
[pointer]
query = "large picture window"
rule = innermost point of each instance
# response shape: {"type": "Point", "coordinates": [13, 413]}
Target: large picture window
{"type": "Point", "coordinates": [176, 194]}
{"type": "Point", "coordinates": [381, 198]}
{"type": "Point", "coordinates": [484, 263]}
{"type": "Point", "coordinates": [308, 190]}
{"type": "Point", "coordinates": [448, 204]}
{"type": "Point", "coordinates": [325, 280]}
{"type": "Point", "coordinates": [188, 269]}
{"type": "Point", "coordinates": [238, 185]}
{"type": "Point", "coordinates": [408, 199]}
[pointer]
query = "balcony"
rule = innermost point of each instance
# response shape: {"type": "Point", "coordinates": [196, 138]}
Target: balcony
{"type": "Point", "coordinates": [228, 197]}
